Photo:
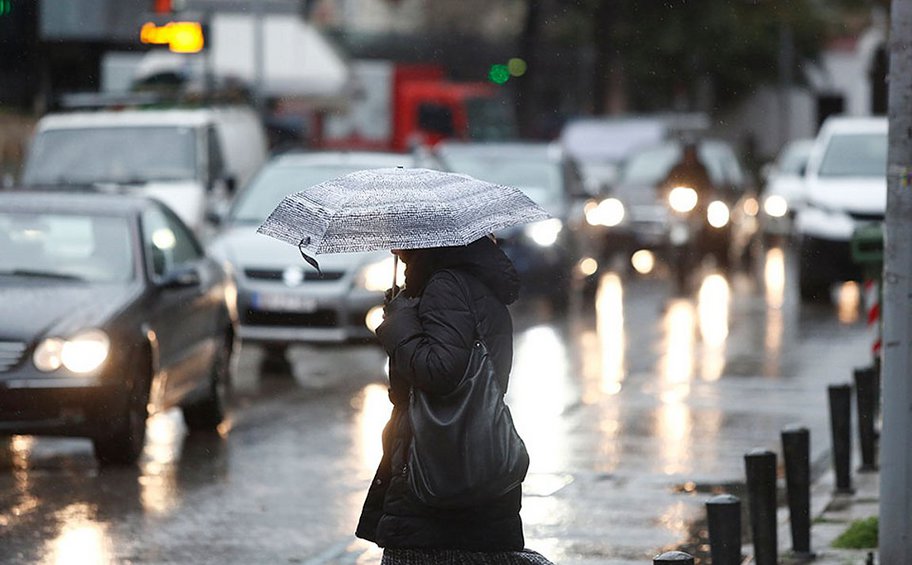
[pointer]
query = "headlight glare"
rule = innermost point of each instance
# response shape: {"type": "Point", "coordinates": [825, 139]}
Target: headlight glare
{"type": "Point", "coordinates": [378, 276]}
{"type": "Point", "coordinates": [682, 199]}
{"type": "Point", "coordinates": [85, 352]}
{"type": "Point", "coordinates": [545, 233]}
{"type": "Point", "coordinates": [775, 206]}
{"type": "Point", "coordinates": [47, 355]}
{"type": "Point", "coordinates": [608, 212]}
{"type": "Point", "coordinates": [718, 214]}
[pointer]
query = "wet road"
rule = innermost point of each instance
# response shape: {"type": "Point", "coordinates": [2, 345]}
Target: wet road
{"type": "Point", "coordinates": [633, 410]}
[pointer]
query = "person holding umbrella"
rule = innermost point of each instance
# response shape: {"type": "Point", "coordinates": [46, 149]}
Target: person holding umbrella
{"type": "Point", "coordinates": [448, 487]}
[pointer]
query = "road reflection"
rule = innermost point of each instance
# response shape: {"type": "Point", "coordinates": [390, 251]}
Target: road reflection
{"type": "Point", "coordinates": [82, 539]}
{"type": "Point", "coordinates": [713, 303]}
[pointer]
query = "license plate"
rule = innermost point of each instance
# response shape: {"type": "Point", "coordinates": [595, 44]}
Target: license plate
{"type": "Point", "coordinates": [284, 302]}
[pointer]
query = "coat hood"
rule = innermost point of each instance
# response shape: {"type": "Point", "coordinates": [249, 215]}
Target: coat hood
{"type": "Point", "coordinates": [481, 259]}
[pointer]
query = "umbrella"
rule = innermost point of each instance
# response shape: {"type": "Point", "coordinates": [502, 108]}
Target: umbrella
{"type": "Point", "coordinates": [396, 208]}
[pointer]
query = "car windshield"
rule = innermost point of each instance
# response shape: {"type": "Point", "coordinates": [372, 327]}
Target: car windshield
{"type": "Point", "coordinates": [273, 183]}
{"type": "Point", "coordinates": [540, 180]}
{"type": "Point", "coordinates": [649, 167]}
{"type": "Point", "coordinates": [855, 155]}
{"type": "Point", "coordinates": [111, 154]}
{"type": "Point", "coordinates": [65, 246]}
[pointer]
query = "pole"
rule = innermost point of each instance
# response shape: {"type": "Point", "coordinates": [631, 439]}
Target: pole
{"type": "Point", "coordinates": [760, 467]}
{"type": "Point", "coordinates": [840, 397]}
{"type": "Point", "coordinates": [896, 457]}
{"type": "Point", "coordinates": [796, 450]}
{"type": "Point", "coordinates": [723, 514]}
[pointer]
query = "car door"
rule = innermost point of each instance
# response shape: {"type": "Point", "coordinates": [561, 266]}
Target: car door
{"type": "Point", "coordinates": [186, 307]}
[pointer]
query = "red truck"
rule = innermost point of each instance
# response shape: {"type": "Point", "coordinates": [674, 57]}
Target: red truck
{"type": "Point", "coordinates": [394, 106]}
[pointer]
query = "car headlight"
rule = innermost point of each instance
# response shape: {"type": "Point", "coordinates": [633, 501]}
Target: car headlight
{"type": "Point", "coordinates": [682, 199]}
{"type": "Point", "coordinates": [718, 214]}
{"type": "Point", "coordinates": [83, 353]}
{"type": "Point", "coordinates": [378, 276]}
{"type": "Point", "coordinates": [775, 206]}
{"type": "Point", "coordinates": [545, 233]}
{"type": "Point", "coordinates": [608, 212]}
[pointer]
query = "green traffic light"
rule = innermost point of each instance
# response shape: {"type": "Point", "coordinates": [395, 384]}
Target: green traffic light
{"type": "Point", "coordinates": [6, 6]}
{"type": "Point", "coordinates": [499, 74]}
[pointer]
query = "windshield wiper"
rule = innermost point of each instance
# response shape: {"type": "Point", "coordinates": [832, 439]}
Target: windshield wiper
{"type": "Point", "coordinates": [41, 274]}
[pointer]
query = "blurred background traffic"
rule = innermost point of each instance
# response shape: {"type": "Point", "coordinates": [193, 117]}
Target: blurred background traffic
{"type": "Point", "coordinates": [708, 168]}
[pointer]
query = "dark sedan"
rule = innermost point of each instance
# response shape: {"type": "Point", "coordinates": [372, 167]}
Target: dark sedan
{"type": "Point", "coordinates": [109, 310]}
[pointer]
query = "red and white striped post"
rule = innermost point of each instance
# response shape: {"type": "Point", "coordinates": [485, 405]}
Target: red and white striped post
{"type": "Point", "coordinates": [872, 305]}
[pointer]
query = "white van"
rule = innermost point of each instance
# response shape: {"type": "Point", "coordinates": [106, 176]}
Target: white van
{"type": "Point", "coordinates": [846, 187]}
{"type": "Point", "coordinates": [190, 159]}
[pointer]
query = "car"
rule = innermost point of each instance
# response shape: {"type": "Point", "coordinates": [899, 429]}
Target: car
{"type": "Point", "coordinates": [846, 188]}
{"type": "Point", "coordinates": [600, 145]}
{"type": "Point", "coordinates": [635, 215]}
{"type": "Point", "coordinates": [783, 191]}
{"type": "Point", "coordinates": [110, 310]}
{"type": "Point", "coordinates": [190, 159]}
{"type": "Point", "coordinates": [283, 301]}
{"type": "Point", "coordinates": [546, 254]}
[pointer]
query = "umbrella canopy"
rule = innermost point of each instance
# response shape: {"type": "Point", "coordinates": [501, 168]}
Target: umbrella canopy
{"type": "Point", "coordinates": [396, 209]}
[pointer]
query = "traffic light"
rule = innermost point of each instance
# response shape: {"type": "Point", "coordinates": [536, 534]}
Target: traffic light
{"type": "Point", "coordinates": [6, 7]}
{"type": "Point", "coordinates": [500, 74]}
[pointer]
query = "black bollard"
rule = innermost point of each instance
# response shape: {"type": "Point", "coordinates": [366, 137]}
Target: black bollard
{"type": "Point", "coordinates": [841, 427]}
{"type": "Point", "coordinates": [723, 513]}
{"type": "Point", "coordinates": [673, 558]}
{"type": "Point", "coordinates": [760, 465]}
{"type": "Point", "coordinates": [796, 450]}
{"type": "Point", "coordinates": [866, 400]}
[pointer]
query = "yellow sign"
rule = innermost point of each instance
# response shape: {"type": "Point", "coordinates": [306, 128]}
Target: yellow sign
{"type": "Point", "coordinates": [180, 37]}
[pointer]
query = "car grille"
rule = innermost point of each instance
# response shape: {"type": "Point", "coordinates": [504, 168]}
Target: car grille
{"type": "Point", "coordinates": [10, 354]}
{"type": "Point", "coordinates": [860, 217]}
{"type": "Point", "coordinates": [318, 319]}
{"type": "Point", "coordinates": [276, 275]}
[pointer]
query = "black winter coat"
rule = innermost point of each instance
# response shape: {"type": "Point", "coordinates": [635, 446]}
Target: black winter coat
{"type": "Point", "coordinates": [429, 341]}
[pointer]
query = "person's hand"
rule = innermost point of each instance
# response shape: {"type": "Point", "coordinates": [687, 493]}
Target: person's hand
{"type": "Point", "coordinates": [398, 303]}
{"type": "Point", "coordinates": [390, 294]}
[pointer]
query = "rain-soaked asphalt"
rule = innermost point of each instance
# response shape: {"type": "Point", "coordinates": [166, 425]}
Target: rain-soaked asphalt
{"type": "Point", "coordinates": [632, 410]}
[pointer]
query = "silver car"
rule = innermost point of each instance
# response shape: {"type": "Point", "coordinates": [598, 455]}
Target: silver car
{"type": "Point", "coordinates": [282, 300]}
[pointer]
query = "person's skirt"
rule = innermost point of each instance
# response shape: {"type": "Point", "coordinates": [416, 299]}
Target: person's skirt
{"type": "Point", "coordinates": [459, 557]}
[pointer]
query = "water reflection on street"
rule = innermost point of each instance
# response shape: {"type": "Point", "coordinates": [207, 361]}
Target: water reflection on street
{"type": "Point", "coordinates": [626, 405]}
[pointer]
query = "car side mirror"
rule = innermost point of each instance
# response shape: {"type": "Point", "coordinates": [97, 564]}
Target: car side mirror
{"type": "Point", "coordinates": [181, 277]}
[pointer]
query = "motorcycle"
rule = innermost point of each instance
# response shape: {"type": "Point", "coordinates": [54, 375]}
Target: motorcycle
{"type": "Point", "coordinates": [695, 229]}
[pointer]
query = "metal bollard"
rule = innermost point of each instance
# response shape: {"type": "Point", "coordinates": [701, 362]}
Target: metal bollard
{"type": "Point", "coordinates": [723, 513]}
{"type": "Point", "coordinates": [760, 465]}
{"type": "Point", "coordinates": [841, 428]}
{"type": "Point", "coordinates": [673, 558]}
{"type": "Point", "coordinates": [867, 395]}
{"type": "Point", "coordinates": [796, 450]}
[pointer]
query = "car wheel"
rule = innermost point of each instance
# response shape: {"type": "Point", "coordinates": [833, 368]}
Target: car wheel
{"type": "Point", "coordinates": [208, 413]}
{"type": "Point", "coordinates": [274, 361]}
{"type": "Point", "coordinates": [122, 443]}
{"type": "Point", "coordinates": [810, 286]}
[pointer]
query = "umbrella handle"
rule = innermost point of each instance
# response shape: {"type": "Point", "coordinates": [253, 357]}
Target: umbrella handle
{"type": "Point", "coordinates": [395, 287]}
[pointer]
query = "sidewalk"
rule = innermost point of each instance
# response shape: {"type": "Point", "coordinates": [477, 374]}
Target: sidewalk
{"type": "Point", "coordinates": [832, 514]}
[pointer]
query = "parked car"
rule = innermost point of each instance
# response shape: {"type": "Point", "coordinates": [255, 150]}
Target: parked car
{"type": "Point", "coordinates": [189, 159]}
{"type": "Point", "coordinates": [110, 308]}
{"type": "Point", "coordinates": [281, 300]}
{"type": "Point", "coordinates": [547, 253]}
{"type": "Point", "coordinates": [783, 190]}
{"type": "Point", "coordinates": [635, 216]}
{"type": "Point", "coordinates": [846, 188]}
